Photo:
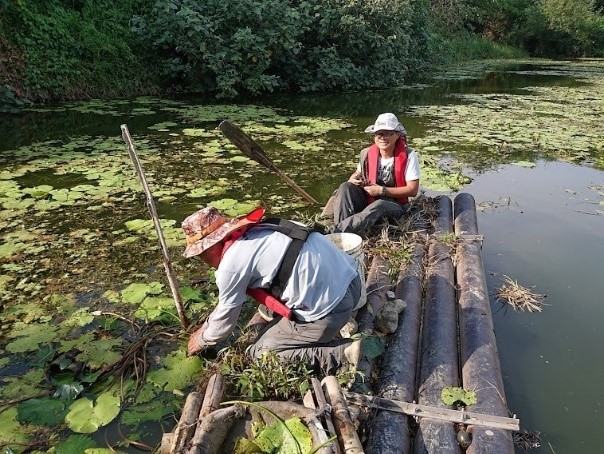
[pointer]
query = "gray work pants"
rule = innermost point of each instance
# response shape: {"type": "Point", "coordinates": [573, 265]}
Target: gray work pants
{"type": "Point", "coordinates": [314, 343]}
{"type": "Point", "coordinates": [352, 213]}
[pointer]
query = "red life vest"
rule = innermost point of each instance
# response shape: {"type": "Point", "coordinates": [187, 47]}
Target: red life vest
{"type": "Point", "coordinates": [400, 164]}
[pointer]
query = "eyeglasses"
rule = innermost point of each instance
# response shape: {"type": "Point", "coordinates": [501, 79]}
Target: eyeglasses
{"type": "Point", "coordinates": [384, 133]}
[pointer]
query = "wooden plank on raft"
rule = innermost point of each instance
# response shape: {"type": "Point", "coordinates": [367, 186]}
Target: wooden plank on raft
{"type": "Point", "coordinates": [443, 414]}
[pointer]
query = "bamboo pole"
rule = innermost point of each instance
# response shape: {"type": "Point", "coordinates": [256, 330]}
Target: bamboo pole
{"type": "Point", "coordinates": [347, 433]}
{"type": "Point", "coordinates": [322, 404]}
{"type": "Point", "coordinates": [390, 431]}
{"type": "Point", "coordinates": [186, 424]}
{"type": "Point", "coordinates": [439, 366]}
{"type": "Point", "coordinates": [162, 243]}
{"type": "Point", "coordinates": [212, 396]}
{"type": "Point", "coordinates": [481, 370]}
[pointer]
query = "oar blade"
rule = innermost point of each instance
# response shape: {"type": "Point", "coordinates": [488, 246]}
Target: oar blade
{"type": "Point", "coordinates": [246, 144]}
{"type": "Point", "coordinates": [253, 151]}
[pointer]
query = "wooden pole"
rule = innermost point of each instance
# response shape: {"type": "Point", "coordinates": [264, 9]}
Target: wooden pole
{"type": "Point", "coordinates": [162, 242]}
{"type": "Point", "coordinates": [390, 431]}
{"type": "Point", "coordinates": [322, 404]}
{"type": "Point", "coordinates": [213, 395]}
{"type": "Point", "coordinates": [186, 425]}
{"type": "Point", "coordinates": [347, 433]}
{"type": "Point", "coordinates": [439, 367]}
{"type": "Point", "coordinates": [481, 370]}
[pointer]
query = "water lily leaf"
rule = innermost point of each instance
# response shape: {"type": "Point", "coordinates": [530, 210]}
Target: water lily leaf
{"type": "Point", "coordinates": [372, 347]}
{"type": "Point", "coordinates": [177, 372]}
{"type": "Point", "coordinates": [194, 132]}
{"type": "Point", "coordinates": [156, 308]}
{"type": "Point", "coordinates": [11, 431]}
{"type": "Point", "coordinates": [527, 164]}
{"type": "Point", "coordinates": [135, 293]}
{"type": "Point", "coordinates": [276, 438]}
{"type": "Point", "coordinates": [81, 317]}
{"type": "Point", "coordinates": [29, 384]}
{"type": "Point", "coordinates": [45, 412]}
{"type": "Point", "coordinates": [454, 395]}
{"type": "Point", "coordinates": [154, 410]}
{"type": "Point", "coordinates": [75, 444]}
{"type": "Point", "coordinates": [29, 337]}
{"type": "Point", "coordinates": [99, 352]}
{"type": "Point", "coordinates": [191, 294]}
{"type": "Point", "coordinates": [38, 192]}
{"type": "Point", "coordinates": [86, 416]}
{"type": "Point", "coordinates": [232, 207]}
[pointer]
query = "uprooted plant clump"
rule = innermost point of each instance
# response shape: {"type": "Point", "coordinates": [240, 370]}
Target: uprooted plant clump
{"type": "Point", "coordinates": [518, 297]}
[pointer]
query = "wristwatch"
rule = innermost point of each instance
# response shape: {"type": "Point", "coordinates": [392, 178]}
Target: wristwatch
{"type": "Point", "coordinates": [383, 191]}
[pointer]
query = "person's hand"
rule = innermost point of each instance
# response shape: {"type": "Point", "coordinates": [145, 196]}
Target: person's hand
{"type": "Point", "coordinates": [357, 179]}
{"type": "Point", "coordinates": [196, 342]}
{"type": "Point", "coordinates": [374, 190]}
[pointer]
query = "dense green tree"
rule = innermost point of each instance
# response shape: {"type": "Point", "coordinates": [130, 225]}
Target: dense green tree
{"type": "Point", "coordinates": [73, 49]}
{"type": "Point", "coordinates": [232, 46]}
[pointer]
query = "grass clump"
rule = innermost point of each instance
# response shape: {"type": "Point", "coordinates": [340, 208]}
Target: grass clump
{"type": "Point", "coordinates": [518, 297]}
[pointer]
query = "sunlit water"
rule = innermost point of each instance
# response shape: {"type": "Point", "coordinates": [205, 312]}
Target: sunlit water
{"type": "Point", "coordinates": [549, 238]}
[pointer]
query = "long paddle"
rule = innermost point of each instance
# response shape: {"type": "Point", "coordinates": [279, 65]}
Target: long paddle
{"type": "Point", "coordinates": [253, 151]}
{"type": "Point", "coordinates": [162, 242]}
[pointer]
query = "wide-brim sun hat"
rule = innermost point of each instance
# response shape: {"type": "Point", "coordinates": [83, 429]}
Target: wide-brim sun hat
{"type": "Point", "coordinates": [386, 122]}
{"type": "Point", "coordinates": [208, 226]}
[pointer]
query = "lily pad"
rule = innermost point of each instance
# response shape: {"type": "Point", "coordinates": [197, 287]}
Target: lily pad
{"type": "Point", "coordinates": [458, 396]}
{"type": "Point", "coordinates": [45, 412]}
{"type": "Point", "coordinates": [177, 372]}
{"type": "Point", "coordinates": [75, 444]}
{"type": "Point", "coordinates": [135, 293]}
{"type": "Point", "coordinates": [86, 416]}
{"type": "Point", "coordinates": [527, 164]}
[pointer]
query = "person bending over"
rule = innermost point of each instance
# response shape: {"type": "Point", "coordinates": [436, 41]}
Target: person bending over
{"type": "Point", "coordinates": [317, 298]}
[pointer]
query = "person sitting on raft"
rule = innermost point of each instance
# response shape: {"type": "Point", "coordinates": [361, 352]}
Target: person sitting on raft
{"type": "Point", "coordinates": [387, 175]}
{"type": "Point", "coordinates": [317, 298]}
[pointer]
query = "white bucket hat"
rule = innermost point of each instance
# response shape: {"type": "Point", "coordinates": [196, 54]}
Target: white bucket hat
{"type": "Point", "coordinates": [386, 122]}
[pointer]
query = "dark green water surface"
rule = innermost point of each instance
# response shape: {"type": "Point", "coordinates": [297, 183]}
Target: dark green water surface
{"type": "Point", "coordinates": [525, 139]}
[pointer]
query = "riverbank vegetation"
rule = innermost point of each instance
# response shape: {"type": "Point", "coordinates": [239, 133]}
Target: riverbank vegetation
{"type": "Point", "coordinates": [61, 50]}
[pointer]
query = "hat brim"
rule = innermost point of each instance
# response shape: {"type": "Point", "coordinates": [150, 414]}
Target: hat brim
{"type": "Point", "coordinates": [371, 129]}
{"type": "Point", "coordinates": [222, 232]}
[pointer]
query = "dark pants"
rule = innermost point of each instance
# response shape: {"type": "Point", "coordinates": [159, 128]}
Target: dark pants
{"type": "Point", "coordinates": [314, 343]}
{"type": "Point", "coordinates": [353, 214]}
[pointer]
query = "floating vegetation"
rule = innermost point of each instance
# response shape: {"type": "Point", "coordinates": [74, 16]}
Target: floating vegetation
{"type": "Point", "coordinates": [518, 297]}
{"type": "Point", "coordinates": [527, 439]}
{"type": "Point", "coordinates": [553, 122]}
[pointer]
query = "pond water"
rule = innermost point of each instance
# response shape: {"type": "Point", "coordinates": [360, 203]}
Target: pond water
{"type": "Point", "coordinates": [524, 139]}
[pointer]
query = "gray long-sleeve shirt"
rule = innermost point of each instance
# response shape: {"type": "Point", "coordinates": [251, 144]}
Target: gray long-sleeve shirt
{"type": "Point", "coordinates": [318, 281]}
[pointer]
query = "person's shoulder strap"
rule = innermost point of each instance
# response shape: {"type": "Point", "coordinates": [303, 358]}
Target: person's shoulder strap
{"type": "Point", "coordinates": [298, 234]}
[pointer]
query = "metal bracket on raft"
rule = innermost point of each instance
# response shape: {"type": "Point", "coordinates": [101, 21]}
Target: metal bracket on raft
{"type": "Point", "coordinates": [471, 238]}
{"type": "Point", "coordinates": [424, 411]}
